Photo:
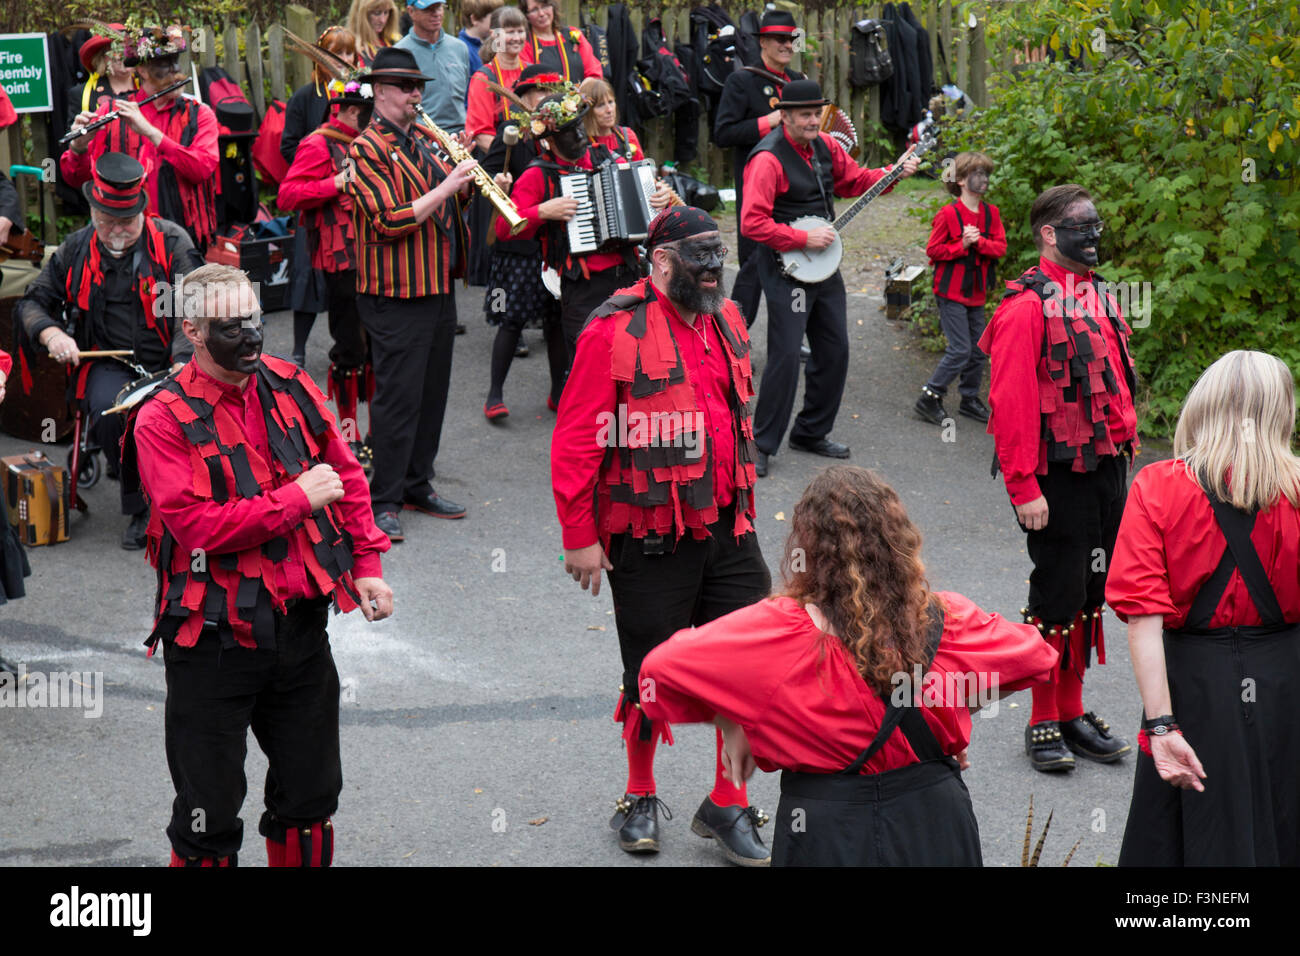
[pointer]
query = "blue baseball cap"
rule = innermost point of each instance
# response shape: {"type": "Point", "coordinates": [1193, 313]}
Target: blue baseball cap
{"type": "Point", "coordinates": [423, 4]}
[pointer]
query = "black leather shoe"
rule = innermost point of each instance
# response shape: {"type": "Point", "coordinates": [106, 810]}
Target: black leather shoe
{"type": "Point", "coordinates": [736, 830]}
{"type": "Point", "coordinates": [1089, 736]}
{"type": "Point", "coordinates": [386, 521]}
{"type": "Point", "coordinates": [436, 506]}
{"type": "Point", "coordinates": [930, 406]}
{"type": "Point", "coordinates": [974, 408]}
{"type": "Point", "coordinates": [822, 446]}
{"type": "Point", "coordinates": [760, 466]}
{"type": "Point", "coordinates": [1046, 747]}
{"type": "Point", "coordinates": [133, 538]}
{"type": "Point", "coordinates": [521, 350]}
{"type": "Point", "coordinates": [636, 818]}
{"type": "Point", "coordinates": [460, 328]}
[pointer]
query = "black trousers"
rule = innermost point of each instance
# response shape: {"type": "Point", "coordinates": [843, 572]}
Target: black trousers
{"type": "Point", "coordinates": [748, 288]}
{"type": "Point", "coordinates": [1072, 553]}
{"type": "Point", "coordinates": [104, 380]}
{"type": "Point", "coordinates": [289, 696]}
{"type": "Point", "coordinates": [656, 595]}
{"type": "Point", "coordinates": [580, 297]}
{"type": "Point", "coordinates": [962, 327]}
{"type": "Point", "coordinates": [350, 349]}
{"type": "Point", "coordinates": [793, 310]}
{"type": "Point", "coordinates": [411, 342]}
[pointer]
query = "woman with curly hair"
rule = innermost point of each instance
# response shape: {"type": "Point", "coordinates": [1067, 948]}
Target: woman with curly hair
{"type": "Point", "coordinates": [1206, 572]}
{"type": "Point", "coordinates": [374, 24]}
{"type": "Point", "coordinates": [816, 682]}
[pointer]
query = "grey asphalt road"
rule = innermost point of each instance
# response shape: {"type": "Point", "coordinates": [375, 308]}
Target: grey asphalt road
{"type": "Point", "coordinates": [476, 723]}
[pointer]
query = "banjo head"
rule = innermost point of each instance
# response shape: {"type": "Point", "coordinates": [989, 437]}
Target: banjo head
{"type": "Point", "coordinates": [133, 393]}
{"type": "Point", "coordinates": [808, 265]}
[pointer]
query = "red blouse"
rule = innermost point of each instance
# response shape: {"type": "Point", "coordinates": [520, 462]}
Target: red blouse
{"type": "Point", "coordinates": [611, 142]}
{"type": "Point", "coordinates": [485, 108]}
{"type": "Point", "coordinates": [797, 693]}
{"type": "Point", "coordinates": [1169, 545]}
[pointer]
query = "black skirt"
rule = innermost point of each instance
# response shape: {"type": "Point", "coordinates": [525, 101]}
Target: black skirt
{"type": "Point", "coordinates": [13, 560]}
{"type": "Point", "coordinates": [919, 815]}
{"type": "Point", "coordinates": [1232, 692]}
{"type": "Point", "coordinates": [515, 294]}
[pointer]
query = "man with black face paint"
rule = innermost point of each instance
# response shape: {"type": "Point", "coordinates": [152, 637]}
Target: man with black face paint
{"type": "Point", "coordinates": [1065, 429]}
{"type": "Point", "coordinates": [585, 280]}
{"type": "Point", "coordinates": [652, 467]}
{"type": "Point", "coordinates": [103, 290]}
{"type": "Point", "coordinates": [261, 520]}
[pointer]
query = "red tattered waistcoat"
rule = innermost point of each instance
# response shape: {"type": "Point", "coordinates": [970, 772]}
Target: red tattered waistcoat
{"type": "Point", "coordinates": [651, 481]}
{"type": "Point", "coordinates": [234, 594]}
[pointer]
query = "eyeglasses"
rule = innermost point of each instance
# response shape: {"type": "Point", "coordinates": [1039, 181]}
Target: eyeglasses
{"type": "Point", "coordinates": [781, 41]}
{"type": "Point", "coordinates": [1097, 227]}
{"type": "Point", "coordinates": [702, 257]}
{"type": "Point", "coordinates": [406, 86]}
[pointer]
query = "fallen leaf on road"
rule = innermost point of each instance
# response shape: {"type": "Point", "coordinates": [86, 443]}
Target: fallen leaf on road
{"type": "Point", "coordinates": [859, 321]}
{"type": "Point", "coordinates": [538, 822]}
{"type": "Point", "coordinates": [407, 856]}
{"type": "Point", "coordinates": [779, 516]}
{"type": "Point", "coordinates": [595, 627]}
{"type": "Point", "coordinates": [857, 416]}
{"type": "Point", "coordinates": [478, 789]}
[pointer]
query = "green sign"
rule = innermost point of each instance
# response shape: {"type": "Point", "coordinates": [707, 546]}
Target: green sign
{"type": "Point", "coordinates": [25, 71]}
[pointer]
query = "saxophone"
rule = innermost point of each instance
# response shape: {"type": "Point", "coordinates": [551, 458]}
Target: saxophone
{"type": "Point", "coordinates": [459, 154]}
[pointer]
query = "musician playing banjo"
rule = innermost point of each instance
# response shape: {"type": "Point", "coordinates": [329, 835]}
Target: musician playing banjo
{"type": "Point", "coordinates": [796, 170]}
{"type": "Point", "coordinates": [100, 291]}
{"type": "Point", "coordinates": [586, 280]}
{"type": "Point", "coordinates": [174, 137]}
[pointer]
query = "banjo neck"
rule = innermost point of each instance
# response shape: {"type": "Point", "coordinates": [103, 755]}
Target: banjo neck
{"type": "Point", "coordinates": [881, 185]}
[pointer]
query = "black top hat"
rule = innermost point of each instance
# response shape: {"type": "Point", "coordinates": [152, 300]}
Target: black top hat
{"type": "Point", "coordinates": [801, 93]}
{"type": "Point", "coordinates": [392, 63]}
{"type": "Point", "coordinates": [117, 186]}
{"type": "Point", "coordinates": [777, 23]}
{"type": "Point", "coordinates": [535, 75]}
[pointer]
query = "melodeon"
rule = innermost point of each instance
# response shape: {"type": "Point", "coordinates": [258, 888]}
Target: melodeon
{"type": "Point", "coordinates": [613, 204]}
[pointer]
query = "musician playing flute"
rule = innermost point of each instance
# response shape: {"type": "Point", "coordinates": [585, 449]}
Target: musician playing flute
{"type": "Point", "coordinates": [586, 280]}
{"type": "Point", "coordinates": [411, 242]}
{"type": "Point", "coordinates": [105, 289]}
{"type": "Point", "coordinates": [174, 137]}
{"type": "Point", "coordinates": [795, 171]}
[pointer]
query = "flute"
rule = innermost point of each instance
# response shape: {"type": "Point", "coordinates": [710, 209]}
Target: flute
{"type": "Point", "coordinates": [487, 187]}
{"type": "Point", "coordinates": [113, 114]}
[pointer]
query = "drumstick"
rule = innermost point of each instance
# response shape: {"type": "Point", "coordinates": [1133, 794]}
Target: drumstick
{"type": "Point", "coordinates": [116, 409]}
{"type": "Point", "coordinates": [108, 353]}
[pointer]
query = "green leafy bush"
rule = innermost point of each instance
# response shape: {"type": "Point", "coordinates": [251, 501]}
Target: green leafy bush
{"type": "Point", "coordinates": [1182, 119]}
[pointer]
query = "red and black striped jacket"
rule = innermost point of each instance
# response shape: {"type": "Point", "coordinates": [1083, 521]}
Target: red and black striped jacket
{"type": "Point", "coordinates": [965, 273]}
{"type": "Point", "coordinates": [397, 256]}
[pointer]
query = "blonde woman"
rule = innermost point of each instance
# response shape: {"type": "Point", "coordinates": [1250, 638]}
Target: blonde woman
{"type": "Point", "coordinates": [602, 121]}
{"type": "Point", "coordinates": [1207, 573]}
{"type": "Point", "coordinates": [374, 24]}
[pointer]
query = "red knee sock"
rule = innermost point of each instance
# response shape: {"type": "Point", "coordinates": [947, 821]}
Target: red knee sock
{"type": "Point", "coordinates": [641, 764]}
{"type": "Point", "coordinates": [1069, 688]}
{"type": "Point", "coordinates": [725, 794]}
{"type": "Point", "coordinates": [1045, 700]}
{"type": "Point", "coordinates": [311, 846]}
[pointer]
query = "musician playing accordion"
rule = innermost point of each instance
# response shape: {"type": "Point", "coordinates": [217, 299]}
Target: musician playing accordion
{"type": "Point", "coordinates": [104, 290]}
{"type": "Point", "coordinates": [586, 280]}
{"type": "Point", "coordinates": [796, 170]}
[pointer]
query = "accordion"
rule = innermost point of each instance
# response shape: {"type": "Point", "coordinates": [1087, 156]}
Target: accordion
{"type": "Point", "coordinates": [613, 204]}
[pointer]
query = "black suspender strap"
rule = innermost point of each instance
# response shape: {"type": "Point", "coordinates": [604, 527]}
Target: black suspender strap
{"type": "Point", "coordinates": [914, 727]}
{"type": "Point", "coordinates": [1236, 526]}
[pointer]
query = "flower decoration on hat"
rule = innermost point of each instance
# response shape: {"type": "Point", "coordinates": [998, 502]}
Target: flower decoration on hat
{"type": "Point", "coordinates": [558, 111]}
{"type": "Point", "coordinates": [345, 78]}
{"type": "Point", "coordinates": [144, 43]}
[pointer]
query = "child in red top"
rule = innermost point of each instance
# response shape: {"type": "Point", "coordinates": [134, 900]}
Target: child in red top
{"type": "Point", "coordinates": [966, 240]}
{"type": "Point", "coordinates": [805, 681]}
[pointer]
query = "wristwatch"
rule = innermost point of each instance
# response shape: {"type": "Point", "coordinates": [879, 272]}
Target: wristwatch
{"type": "Point", "coordinates": [1160, 725]}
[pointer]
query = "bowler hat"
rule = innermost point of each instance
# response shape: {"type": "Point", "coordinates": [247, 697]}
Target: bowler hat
{"type": "Point", "coordinates": [391, 64]}
{"type": "Point", "coordinates": [801, 93]}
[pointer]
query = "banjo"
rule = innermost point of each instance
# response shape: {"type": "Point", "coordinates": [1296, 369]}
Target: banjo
{"type": "Point", "coordinates": [814, 265]}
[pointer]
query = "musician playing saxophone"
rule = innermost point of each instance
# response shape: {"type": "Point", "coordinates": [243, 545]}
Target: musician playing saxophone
{"type": "Point", "coordinates": [796, 170]}
{"type": "Point", "coordinates": [587, 280]}
{"type": "Point", "coordinates": [174, 137]}
{"type": "Point", "coordinates": [411, 245]}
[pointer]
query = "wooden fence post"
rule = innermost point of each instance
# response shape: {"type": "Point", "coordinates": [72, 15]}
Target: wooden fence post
{"type": "Point", "coordinates": [275, 61]}
{"type": "Point", "coordinates": [208, 55]}
{"type": "Point", "coordinates": [303, 23]}
{"type": "Point", "coordinates": [230, 53]}
{"type": "Point", "coordinates": [253, 59]}
{"type": "Point", "coordinates": [945, 33]}
{"type": "Point", "coordinates": [978, 60]}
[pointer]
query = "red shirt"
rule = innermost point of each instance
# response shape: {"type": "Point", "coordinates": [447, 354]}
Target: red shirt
{"type": "Point", "coordinates": [309, 184]}
{"type": "Point", "coordinates": [485, 108]}
{"type": "Point", "coordinates": [1169, 545]}
{"type": "Point", "coordinates": [765, 180]}
{"type": "Point", "coordinates": [591, 65]}
{"type": "Point", "coordinates": [591, 395]}
{"type": "Point", "coordinates": [945, 245]}
{"type": "Point", "coordinates": [530, 192]}
{"type": "Point", "coordinates": [1014, 346]}
{"type": "Point", "coordinates": [797, 693]}
{"type": "Point", "coordinates": [195, 163]}
{"type": "Point", "coordinates": [611, 142]}
{"type": "Point", "coordinates": [239, 523]}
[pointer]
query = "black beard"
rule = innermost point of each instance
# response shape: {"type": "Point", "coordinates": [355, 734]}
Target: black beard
{"type": "Point", "coordinates": [684, 289]}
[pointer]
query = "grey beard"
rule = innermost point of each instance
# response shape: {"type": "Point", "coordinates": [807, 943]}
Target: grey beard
{"type": "Point", "coordinates": [683, 290]}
